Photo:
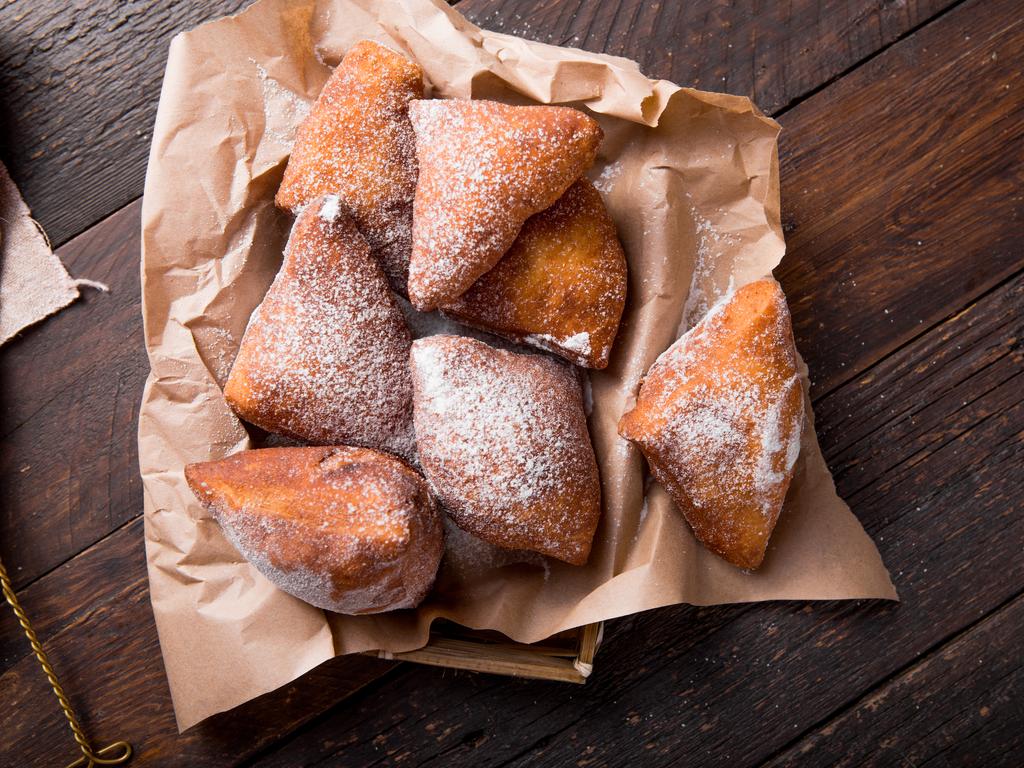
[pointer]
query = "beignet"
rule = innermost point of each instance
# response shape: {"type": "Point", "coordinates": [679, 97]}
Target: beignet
{"type": "Point", "coordinates": [349, 530]}
{"type": "Point", "coordinates": [484, 169]}
{"type": "Point", "coordinates": [357, 142]}
{"type": "Point", "coordinates": [325, 356]}
{"type": "Point", "coordinates": [560, 287]}
{"type": "Point", "coordinates": [719, 417]}
{"type": "Point", "coordinates": [503, 442]}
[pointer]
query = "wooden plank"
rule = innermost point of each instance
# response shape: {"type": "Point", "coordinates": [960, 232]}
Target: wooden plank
{"type": "Point", "coordinates": [733, 685]}
{"type": "Point", "coordinates": [913, 719]}
{"type": "Point", "coordinates": [71, 386]}
{"type": "Point", "coordinates": [774, 53]}
{"type": "Point", "coordinates": [82, 81]}
{"type": "Point", "coordinates": [901, 189]}
{"type": "Point", "coordinates": [95, 578]}
{"type": "Point", "coordinates": [94, 618]}
{"type": "Point", "coordinates": [80, 88]}
{"type": "Point", "coordinates": [647, 631]}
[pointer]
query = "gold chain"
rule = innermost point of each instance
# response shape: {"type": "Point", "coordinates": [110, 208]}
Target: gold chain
{"type": "Point", "coordinates": [115, 754]}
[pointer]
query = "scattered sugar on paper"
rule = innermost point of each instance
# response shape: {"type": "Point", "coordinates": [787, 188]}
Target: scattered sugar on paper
{"type": "Point", "coordinates": [217, 350]}
{"type": "Point", "coordinates": [283, 109]}
{"type": "Point", "coordinates": [605, 180]}
{"type": "Point", "coordinates": [704, 292]}
{"type": "Point", "coordinates": [643, 516]}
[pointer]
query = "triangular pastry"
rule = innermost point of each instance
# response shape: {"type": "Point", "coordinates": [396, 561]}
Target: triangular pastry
{"type": "Point", "coordinates": [325, 356]}
{"type": "Point", "coordinates": [349, 530]}
{"type": "Point", "coordinates": [560, 287]}
{"type": "Point", "coordinates": [357, 143]}
{"type": "Point", "coordinates": [719, 417]}
{"type": "Point", "coordinates": [503, 442]}
{"type": "Point", "coordinates": [484, 169]}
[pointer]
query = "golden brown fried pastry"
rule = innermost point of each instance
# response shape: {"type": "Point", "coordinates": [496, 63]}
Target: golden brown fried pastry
{"type": "Point", "coordinates": [325, 356]}
{"type": "Point", "coordinates": [484, 169]}
{"type": "Point", "coordinates": [357, 143]}
{"type": "Point", "coordinates": [560, 287]}
{"type": "Point", "coordinates": [503, 441]}
{"type": "Point", "coordinates": [349, 530]}
{"type": "Point", "coordinates": [719, 417]}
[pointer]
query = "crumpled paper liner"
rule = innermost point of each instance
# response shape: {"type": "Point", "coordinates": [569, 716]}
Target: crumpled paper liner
{"type": "Point", "coordinates": [690, 178]}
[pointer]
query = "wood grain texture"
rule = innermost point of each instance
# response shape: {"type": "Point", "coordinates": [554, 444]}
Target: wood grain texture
{"type": "Point", "coordinates": [94, 618]}
{"type": "Point", "coordinates": [70, 391]}
{"type": "Point", "coordinates": [734, 685]}
{"type": "Point", "coordinates": [79, 84]}
{"type": "Point", "coordinates": [913, 720]}
{"type": "Point", "coordinates": [901, 189]}
{"type": "Point", "coordinates": [924, 441]}
{"type": "Point", "coordinates": [775, 53]}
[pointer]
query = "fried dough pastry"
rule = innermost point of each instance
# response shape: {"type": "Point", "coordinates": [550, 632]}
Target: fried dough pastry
{"type": "Point", "coordinates": [719, 417]}
{"type": "Point", "coordinates": [357, 143]}
{"type": "Point", "coordinates": [560, 287]}
{"type": "Point", "coordinates": [503, 441]}
{"type": "Point", "coordinates": [484, 169]}
{"type": "Point", "coordinates": [349, 530]}
{"type": "Point", "coordinates": [325, 356]}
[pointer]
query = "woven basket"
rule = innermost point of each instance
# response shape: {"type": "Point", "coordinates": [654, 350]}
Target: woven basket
{"type": "Point", "coordinates": [567, 656]}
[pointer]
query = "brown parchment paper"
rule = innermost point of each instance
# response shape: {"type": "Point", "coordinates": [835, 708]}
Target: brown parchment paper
{"type": "Point", "coordinates": [692, 181]}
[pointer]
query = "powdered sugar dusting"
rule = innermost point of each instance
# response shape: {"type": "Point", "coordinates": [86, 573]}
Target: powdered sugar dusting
{"type": "Point", "coordinates": [331, 208]}
{"type": "Point", "coordinates": [718, 422]}
{"type": "Point", "coordinates": [325, 356]}
{"type": "Point", "coordinates": [704, 291]}
{"type": "Point", "coordinates": [504, 445]}
{"type": "Point", "coordinates": [561, 287]}
{"type": "Point", "coordinates": [484, 168]}
{"type": "Point", "coordinates": [283, 109]}
{"type": "Point", "coordinates": [778, 438]}
{"type": "Point", "coordinates": [358, 143]}
{"type": "Point", "coordinates": [345, 529]}
{"type": "Point", "coordinates": [725, 411]}
{"type": "Point", "coordinates": [607, 178]}
{"type": "Point", "coordinates": [258, 539]}
{"type": "Point", "coordinates": [578, 343]}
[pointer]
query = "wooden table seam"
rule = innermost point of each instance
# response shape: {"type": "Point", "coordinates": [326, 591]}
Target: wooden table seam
{"type": "Point", "coordinates": [797, 101]}
{"type": "Point", "coordinates": [922, 658]}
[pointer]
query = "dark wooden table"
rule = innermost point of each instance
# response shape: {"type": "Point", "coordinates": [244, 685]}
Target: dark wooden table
{"type": "Point", "coordinates": [903, 203]}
